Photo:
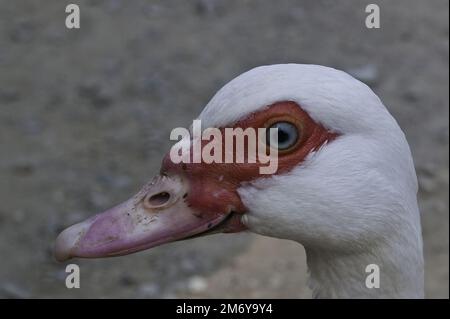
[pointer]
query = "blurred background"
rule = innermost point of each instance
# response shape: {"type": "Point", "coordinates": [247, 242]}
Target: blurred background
{"type": "Point", "coordinates": [85, 117]}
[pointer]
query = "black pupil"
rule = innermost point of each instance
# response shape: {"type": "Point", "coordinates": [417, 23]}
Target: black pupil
{"type": "Point", "coordinates": [283, 136]}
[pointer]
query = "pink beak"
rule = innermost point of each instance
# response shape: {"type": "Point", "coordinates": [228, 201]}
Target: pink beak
{"type": "Point", "coordinates": [158, 214]}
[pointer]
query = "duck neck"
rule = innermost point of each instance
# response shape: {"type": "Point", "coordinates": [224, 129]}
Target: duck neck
{"type": "Point", "coordinates": [343, 275]}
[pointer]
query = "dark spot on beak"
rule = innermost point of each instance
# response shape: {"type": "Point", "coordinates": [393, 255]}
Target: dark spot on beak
{"type": "Point", "coordinates": [185, 195]}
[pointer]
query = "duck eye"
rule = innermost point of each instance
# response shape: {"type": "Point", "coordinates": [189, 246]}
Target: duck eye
{"type": "Point", "coordinates": [285, 137]}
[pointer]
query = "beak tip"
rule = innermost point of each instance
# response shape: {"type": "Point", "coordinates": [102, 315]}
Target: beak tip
{"type": "Point", "coordinates": [68, 240]}
{"type": "Point", "coordinates": [61, 251]}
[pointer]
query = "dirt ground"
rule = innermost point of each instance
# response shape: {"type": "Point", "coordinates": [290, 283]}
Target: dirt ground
{"type": "Point", "coordinates": [85, 117]}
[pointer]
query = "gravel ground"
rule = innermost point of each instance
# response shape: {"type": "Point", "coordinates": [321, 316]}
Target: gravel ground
{"type": "Point", "coordinates": [85, 117]}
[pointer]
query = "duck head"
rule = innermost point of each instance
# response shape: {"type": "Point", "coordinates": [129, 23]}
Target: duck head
{"type": "Point", "coordinates": [345, 176]}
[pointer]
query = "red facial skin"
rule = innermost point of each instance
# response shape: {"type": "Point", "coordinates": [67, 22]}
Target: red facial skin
{"type": "Point", "coordinates": [213, 187]}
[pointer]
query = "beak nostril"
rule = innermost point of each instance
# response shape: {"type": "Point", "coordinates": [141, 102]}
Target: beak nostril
{"type": "Point", "coordinates": [158, 199]}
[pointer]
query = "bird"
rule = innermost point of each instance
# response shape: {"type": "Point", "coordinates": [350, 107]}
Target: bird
{"type": "Point", "coordinates": [345, 187]}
